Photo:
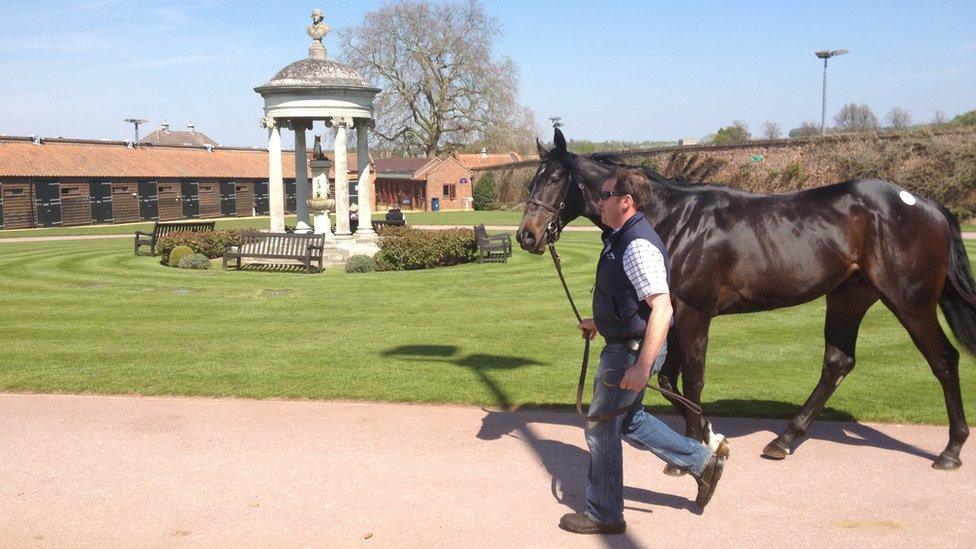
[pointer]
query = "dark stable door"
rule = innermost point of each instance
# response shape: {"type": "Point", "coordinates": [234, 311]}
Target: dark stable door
{"type": "Point", "coordinates": [47, 199]}
{"type": "Point", "coordinates": [191, 199]}
{"type": "Point", "coordinates": [148, 201]}
{"type": "Point", "coordinates": [228, 198]}
{"type": "Point", "coordinates": [290, 196]}
{"type": "Point", "coordinates": [100, 195]}
{"type": "Point", "coordinates": [260, 198]}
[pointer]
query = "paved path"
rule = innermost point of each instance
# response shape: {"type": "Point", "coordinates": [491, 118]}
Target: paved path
{"type": "Point", "coordinates": [137, 471]}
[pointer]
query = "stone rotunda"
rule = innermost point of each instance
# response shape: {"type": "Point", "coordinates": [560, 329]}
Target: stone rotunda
{"type": "Point", "coordinates": [319, 88]}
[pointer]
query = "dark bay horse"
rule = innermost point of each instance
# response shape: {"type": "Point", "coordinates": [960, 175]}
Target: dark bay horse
{"type": "Point", "coordinates": [736, 252]}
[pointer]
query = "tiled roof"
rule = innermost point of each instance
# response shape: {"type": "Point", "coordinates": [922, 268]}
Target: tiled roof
{"type": "Point", "coordinates": [19, 157]}
{"type": "Point", "coordinates": [167, 137]}
{"type": "Point", "coordinates": [402, 166]}
{"type": "Point", "coordinates": [475, 161]}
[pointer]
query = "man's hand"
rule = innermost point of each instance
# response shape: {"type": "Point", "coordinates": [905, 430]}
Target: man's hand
{"type": "Point", "coordinates": [635, 378]}
{"type": "Point", "coordinates": [588, 327]}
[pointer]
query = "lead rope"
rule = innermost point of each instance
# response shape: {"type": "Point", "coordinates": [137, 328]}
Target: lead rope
{"type": "Point", "coordinates": [586, 359]}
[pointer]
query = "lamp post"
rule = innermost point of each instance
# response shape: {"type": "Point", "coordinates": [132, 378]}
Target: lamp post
{"type": "Point", "coordinates": [825, 55]}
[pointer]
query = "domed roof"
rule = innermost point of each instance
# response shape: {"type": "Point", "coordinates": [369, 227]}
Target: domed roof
{"type": "Point", "coordinates": [317, 73]}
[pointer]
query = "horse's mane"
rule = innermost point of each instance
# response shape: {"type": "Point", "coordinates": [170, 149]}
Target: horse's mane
{"type": "Point", "coordinates": [616, 161]}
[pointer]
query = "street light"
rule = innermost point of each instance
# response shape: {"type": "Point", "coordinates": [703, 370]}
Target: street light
{"type": "Point", "coordinates": [825, 55]}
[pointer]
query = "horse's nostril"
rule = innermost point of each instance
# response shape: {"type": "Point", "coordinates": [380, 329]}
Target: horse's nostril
{"type": "Point", "coordinates": [525, 237]}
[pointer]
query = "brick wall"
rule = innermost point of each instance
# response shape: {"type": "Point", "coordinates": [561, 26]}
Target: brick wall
{"type": "Point", "coordinates": [449, 172]}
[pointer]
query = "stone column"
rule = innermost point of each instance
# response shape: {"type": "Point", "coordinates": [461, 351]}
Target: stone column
{"type": "Point", "coordinates": [301, 171]}
{"type": "Point", "coordinates": [341, 178]}
{"type": "Point", "coordinates": [276, 186]}
{"type": "Point", "coordinates": [365, 186]}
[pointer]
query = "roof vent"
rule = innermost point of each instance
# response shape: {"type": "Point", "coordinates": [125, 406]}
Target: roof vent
{"type": "Point", "coordinates": [190, 126]}
{"type": "Point", "coordinates": [129, 144]}
{"type": "Point", "coordinates": [165, 125]}
{"type": "Point", "coordinates": [209, 147]}
{"type": "Point", "coordinates": [484, 152]}
{"type": "Point", "coordinates": [36, 139]}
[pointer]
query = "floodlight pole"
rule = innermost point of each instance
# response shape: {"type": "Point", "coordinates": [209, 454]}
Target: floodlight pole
{"type": "Point", "coordinates": [825, 55]}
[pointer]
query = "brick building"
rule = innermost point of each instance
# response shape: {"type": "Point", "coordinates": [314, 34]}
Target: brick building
{"type": "Point", "coordinates": [65, 182]}
{"type": "Point", "coordinates": [423, 184]}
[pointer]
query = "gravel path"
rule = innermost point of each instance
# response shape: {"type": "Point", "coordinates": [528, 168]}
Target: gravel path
{"type": "Point", "coordinates": [130, 471]}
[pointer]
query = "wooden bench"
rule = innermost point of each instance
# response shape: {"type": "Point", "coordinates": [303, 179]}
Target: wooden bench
{"type": "Point", "coordinates": [381, 223]}
{"type": "Point", "coordinates": [306, 248]}
{"type": "Point", "coordinates": [163, 229]}
{"type": "Point", "coordinates": [492, 248]}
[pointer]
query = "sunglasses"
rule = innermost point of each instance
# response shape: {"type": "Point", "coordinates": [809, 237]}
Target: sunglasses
{"type": "Point", "coordinates": [607, 194]}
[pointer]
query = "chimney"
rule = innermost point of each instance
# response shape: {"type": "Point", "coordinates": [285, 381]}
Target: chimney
{"type": "Point", "coordinates": [190, 126]}
{"type": "Point", "coordinates": [165, 126]}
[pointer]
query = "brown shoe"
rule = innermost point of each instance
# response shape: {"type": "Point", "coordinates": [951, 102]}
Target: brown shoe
{"type": "Point", "coordinates": [578, 523]}
{"type": "Point", "coordinates": [708, 479]}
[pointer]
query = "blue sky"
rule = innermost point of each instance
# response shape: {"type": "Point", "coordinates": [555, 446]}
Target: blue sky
{"type": "Point", "coordinates": [631, 70]}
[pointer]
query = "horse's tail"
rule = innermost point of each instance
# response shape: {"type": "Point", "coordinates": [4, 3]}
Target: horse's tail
{"type": "Point", "coordinates": [958, 299]}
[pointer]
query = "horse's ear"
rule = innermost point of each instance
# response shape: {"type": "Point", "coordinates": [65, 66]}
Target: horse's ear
{"type": "Point", "coordinates": [542, 149]}
{"type": "Point", "coordinates": [559, 140]}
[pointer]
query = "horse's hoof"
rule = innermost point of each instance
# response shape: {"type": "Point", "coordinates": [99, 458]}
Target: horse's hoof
{"type": "Point", "coordinates": [673, 471]}
{"type": "Point", "coordinates": [946, 463]}
{"type": "Point", "coordinates": [774, 450]}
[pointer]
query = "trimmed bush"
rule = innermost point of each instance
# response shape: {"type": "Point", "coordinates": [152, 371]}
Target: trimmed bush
{"type": "Point", "coordinates": [360, 264]}
{"type": "Point", "coordinates": [208, 243]}
{"type": "Point", "coordinates": [483, 193]}
{"type": "Point", "coordinates": [193, 261]}
{"type": "Point", "coordinates": [178, 253]}
{"type": "Point", "coordinates": [406, 248]}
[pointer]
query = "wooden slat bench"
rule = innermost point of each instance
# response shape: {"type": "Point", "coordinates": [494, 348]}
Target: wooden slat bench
{"type": "Point", "coordinates": [492, 248]}
{"type": "Point", "coordinates": [163, 229]}
{"type": "Point", "coordinates": [306, 248]}
{"type": "Point", "coordinates": [381, 223]}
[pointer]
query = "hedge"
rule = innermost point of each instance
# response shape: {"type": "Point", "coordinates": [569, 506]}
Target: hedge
{"type": "Point", "coordinates": [407, 248]}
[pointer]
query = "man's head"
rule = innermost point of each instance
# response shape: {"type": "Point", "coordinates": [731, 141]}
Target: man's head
{"type": "Point", "coordinates": [624, 193]}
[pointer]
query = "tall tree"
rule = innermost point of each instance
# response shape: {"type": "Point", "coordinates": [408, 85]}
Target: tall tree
{"type": "Point", "coordinates": [808, 128]}
{"type": "Point", "coordinates": [442, 87]}
{"type": "Point", "coordinates": [856, 118]}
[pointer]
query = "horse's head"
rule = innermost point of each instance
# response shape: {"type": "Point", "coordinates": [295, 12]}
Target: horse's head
{"type": "Point", "coordinates": [554, 198]}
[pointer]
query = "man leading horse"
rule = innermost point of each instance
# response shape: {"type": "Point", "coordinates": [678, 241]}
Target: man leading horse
{"type": "Point", "coordinates": [632, 311]}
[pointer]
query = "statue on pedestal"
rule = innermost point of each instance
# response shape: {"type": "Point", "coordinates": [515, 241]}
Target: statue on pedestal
{"type": "Point", "coordinates": [317, 30]}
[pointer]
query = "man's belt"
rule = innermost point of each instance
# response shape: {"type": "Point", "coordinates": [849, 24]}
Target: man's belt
{"type": "Point", "coordinates": [632, 343]}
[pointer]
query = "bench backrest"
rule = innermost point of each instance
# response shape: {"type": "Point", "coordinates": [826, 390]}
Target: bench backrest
{"type": "Point", "coordinates": [160, 229]}
{"type": "Point", "coordinates": [480, 233]}
{"type": "Point", "coordinates": [280, 244]}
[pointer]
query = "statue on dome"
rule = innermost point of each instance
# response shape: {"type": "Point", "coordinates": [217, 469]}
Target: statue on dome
{"type": "Point", "coordinates": [317, 30]}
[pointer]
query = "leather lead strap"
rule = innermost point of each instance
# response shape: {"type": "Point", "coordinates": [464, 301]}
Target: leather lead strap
{"type": "Point", "coordinates": [586, 359]}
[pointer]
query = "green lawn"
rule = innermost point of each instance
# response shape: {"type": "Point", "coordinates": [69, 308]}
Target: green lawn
{"type": "Point", "coordinates": [88, 316]}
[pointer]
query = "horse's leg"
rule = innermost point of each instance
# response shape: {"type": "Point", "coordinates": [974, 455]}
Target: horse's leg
{"type": "Point", "coordinates": [922, 324]}
{"type": "Point", "coordinates": [846, 306]}
{"type": "Point", "coordinates": [690, 341]}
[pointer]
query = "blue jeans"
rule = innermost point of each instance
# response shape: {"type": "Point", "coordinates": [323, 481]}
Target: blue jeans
{"type": "Point", "coordinates": [604, 494]}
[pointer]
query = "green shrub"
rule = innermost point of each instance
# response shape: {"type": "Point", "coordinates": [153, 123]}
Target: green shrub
{"type": "Point", "coordinates": [360, 264]}
{"type": "Point", "coordinates": [406, 248]}
{"type": "Point", "coordinates": [484, 192]}
{"type": "Point", "coordinates": [208, 243]}
{"type": "Point", "coordinates": [193, 261]}
{"type": "Point", "coordinates": [178, 253]}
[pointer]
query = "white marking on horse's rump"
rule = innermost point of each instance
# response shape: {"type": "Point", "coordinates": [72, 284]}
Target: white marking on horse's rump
{"type": "Point", "coordinates": [907, 198]}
